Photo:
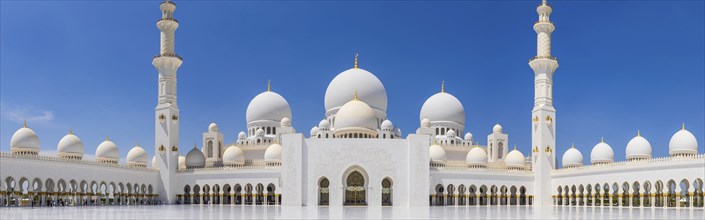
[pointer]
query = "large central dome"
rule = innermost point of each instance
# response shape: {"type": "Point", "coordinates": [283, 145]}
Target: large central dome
{"type": "Point", "coordinates": [369, 89]}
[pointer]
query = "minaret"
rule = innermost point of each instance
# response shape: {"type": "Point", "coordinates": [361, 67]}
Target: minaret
{"type": "Point", "coordinates": [166, 121]}
{"type": "Point", "coordinates": [543, 115]}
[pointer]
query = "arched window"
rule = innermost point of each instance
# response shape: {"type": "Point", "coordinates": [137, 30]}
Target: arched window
{"type": "Point", "coordinates": [274, 130]}
{"type": "Point", "coordinates": [269, 130]}
{"type": "Point", "coordinates": [323, 192]}
{"type": "Point", "coordinates": [500, 152]}
{"type": "Point", "coordinates": [386, 192]}
{"type": "Point", "coordinates": [209, 149]}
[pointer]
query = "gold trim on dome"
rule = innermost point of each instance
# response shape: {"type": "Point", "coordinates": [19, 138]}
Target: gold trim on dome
{"type": "Point", "coordinates": [355, 61]}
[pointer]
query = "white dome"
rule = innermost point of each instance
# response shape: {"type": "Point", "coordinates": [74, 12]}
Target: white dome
{"type": "Point", "coordinates": [268, 106]}
{"type": "Point", "coordinates": [368, 86]}
{"type": "Point", "coordinates": [195, 158]}
{"type": "Point", "coordinates": [683, 142]}
{"type": "Point", "coordinates": [324, 125]}
{"type": "Point", "coordinates": [285, 122]}
{"type": "Point", "coordinates": [233, 156]}
{"type": "Point", "coordinates": [476, 157]}
{"type": "Point", "coordinates": [443, 107]}
{"type": "Point", "coordinates": [468, 136]}
{"type": "Point", "coordinates": [241, 135]}
{"type": "Point", "coordinates": [497, 128]}
{"type": "Point", "coordinates": [107, 151]}
{"type": "Point", "coordinates": [259, 132]}
{"type": "Point", "coordinates": [24, 140]}
{"type": "Point", "coordinates": [425, 123]}
{"type": "Point", "coordinates": [514, 159]}
{"type": "Point", "coordinates": [450, 133]}
{"type": "Point", "coordinates": [638, 148]}
{"type": "Point", "coordinates": [437, 153]}
{"type": "Point", "coordinates": [137, 156]}
{"type": "Point", "coordinates": [356, 114]}
{"type": "Point", "coordinates": [182, 162]}
{"type": "Point", "coordinates": [572, 158]}
{"type": "Point", "coordinates": [154, 162]}
{"type": "Point", "coordinates": [213, 127]}
{"type": "Point", "coordinates": [602, 153]}
{"type": "Point", "coordinates": [387, 125]}
{"type": "Point", "coordinates": [70, 145]}
{"type": "Point", "coordinates": [273, 153]}
{"type": "Point", "coordinates": [314, 131]}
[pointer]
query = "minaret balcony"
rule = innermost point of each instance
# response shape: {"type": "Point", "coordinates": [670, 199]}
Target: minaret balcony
{"type": "Point", "coordinates": [167, 55]}
{"type": "Point", "coordinates": [543, 57]}
{"type": "Point", "coordinates": [544, 26]}
{"type": "Point", "coordinates": [168, 19]}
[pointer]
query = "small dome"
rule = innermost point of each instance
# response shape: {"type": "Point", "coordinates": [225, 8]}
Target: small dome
{"type": "Point", "coordinates": [443, 107]}
{"type": "Point", "coordinates": [154, 162]}
{"type": "Point", "coordinates": [572, 158]}
{"type": "Point", "coordinates": [233, 156]}
{"type": "Point", "coordinates": [387, 125]}
{"type": "Point", "coordinates": [476, 157]}
{"type": "Point", "coordinates": [70, 146]}
{"type": "Point", "coordinates": [356, 114]}
{"type": "Point", "coordinates": [195, 159]}
{"type": "Point", "coordinates": [425, 123]}
{"type": "Point", "coordinates": [268, 106]}
{"type": "Point", "coordinates": [285, 122]}
{"type": "Point", "coordinates": [514, 159]}
{"type": "Point", "coordinates": [107, 152]}
{"type": "Point", "coordinates": [638, 148]}
{"type": "Point", "coordinates": [24, 140]}
{"type": "Point", "coordinates": [602, 153]}
{"type": "Point", "coordinates": [468, 136]}
{"type": "Point", "coordinates": [182, 162]}
{"type": "Point", "coordinates": [324, 125]}
{"type": "Point", "coordinates": [683, 143]}
{"type": "Point", "coordinates": [368, 86]}
{"type": "Point", "coordinates": [137, 157]}
{"type": "Point", "coordinates": [450, 133]}
{"type": "Point", "coordinates": [259, 132]}
{"type": "Point", "coordinates": [273, 153]}
{"type": "Point", "coordinates": [213, 127]}
{"type": "Point", "coordinates": [241, 135]}
{"type": "Point", "coordinates": [437, 153]}
{"type": "Point", "coordinates": [497, 128]}
{"type": "Point", "coordinates": [314, 131]}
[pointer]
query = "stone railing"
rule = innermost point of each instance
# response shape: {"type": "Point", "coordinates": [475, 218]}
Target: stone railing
{"type": "Point", "coordinates": [652, 161]}
{"type": "Point", "coordinates": [83, 162]}
{"type": "Point", "coordinates": [543, 57]}
{"type": "Point", "coordinates": [462, 165]}
{"type": "Point", "coordinates": [249, 165]}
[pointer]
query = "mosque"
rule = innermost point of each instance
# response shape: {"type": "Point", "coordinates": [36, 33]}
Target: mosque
{"type": "Point", "coordinates": [355, 156]}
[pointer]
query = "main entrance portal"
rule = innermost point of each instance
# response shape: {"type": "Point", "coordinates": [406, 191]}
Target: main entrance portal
{"type": "Point", "coordinates": [355, 190]}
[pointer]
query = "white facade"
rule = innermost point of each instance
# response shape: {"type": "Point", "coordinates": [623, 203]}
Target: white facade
{"type": "Point", "coordinates": [355, 156]}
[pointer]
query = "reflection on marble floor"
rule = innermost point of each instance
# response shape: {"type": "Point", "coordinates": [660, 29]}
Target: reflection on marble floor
{"type": "Point", "coordinates": [278, 212]}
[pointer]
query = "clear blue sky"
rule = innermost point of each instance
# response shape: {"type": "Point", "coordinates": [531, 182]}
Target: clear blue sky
{"type": "Point", "coordinates": [624, 65]}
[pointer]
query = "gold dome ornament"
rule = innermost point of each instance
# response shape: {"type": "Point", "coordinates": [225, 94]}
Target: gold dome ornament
{"type": "Point", "coordinates": [355, 66]}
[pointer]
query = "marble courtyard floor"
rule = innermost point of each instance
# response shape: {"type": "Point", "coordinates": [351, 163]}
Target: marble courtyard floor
{"type": "Point", "coordinates": [278, 212]}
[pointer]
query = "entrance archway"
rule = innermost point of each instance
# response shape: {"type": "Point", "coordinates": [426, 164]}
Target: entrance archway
{"type": "Point", "coordinates": [355, 192]}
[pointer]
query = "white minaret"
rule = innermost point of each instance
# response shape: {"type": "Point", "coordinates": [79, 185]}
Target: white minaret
{"type": "Point", "coordinates": [543, 116]}
{"type": "Point", "coordinates": [166, 122]}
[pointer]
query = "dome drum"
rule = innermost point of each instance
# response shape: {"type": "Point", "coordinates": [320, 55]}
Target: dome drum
{"type": "Point", "coordinates": [355, 132]}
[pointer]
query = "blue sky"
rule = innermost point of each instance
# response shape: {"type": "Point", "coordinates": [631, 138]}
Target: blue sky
{"type": "Point", "coordinates": [624, 65]}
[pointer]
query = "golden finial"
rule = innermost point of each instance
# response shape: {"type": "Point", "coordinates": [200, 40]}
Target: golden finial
{"type": "Point", "coordinates": [356, 97]}
{"type": "Point", "coordinates": [269, 85]}
{"type": "Point", "coordinates": [70, 130]}
{"type": "Point", "coordinates": [443, 86]}
{"type": "Point", "coordinates": [355, 60]}
{"type": "Point", "coordinates": [683, 126]}
{"type": "Point", "coordinates": [515, 147]}
{"type": "Point", "coordinates": [25, 123]}
{"type": "Point", "coordinates": [638, 133]}
{"type": "Point", "coordinates": [603, 140]}
{"type": "Point", "coordinates": [107, 138]}
{"type": "Point", "coordinates": [572, 145]}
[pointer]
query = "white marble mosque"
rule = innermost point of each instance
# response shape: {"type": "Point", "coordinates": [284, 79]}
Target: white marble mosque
{"type": "Point", "coordinates": [355, 156]}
